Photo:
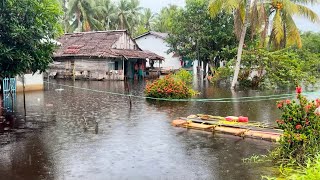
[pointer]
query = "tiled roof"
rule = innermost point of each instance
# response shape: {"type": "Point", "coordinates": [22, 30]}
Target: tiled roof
{"type": "Point", "coordinates": [97, 44]}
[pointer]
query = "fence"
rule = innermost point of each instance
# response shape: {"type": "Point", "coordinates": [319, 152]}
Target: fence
{"type": "Point", "coordinates": [9, 93]}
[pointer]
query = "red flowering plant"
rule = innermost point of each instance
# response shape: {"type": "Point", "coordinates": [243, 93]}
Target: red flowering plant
{"type": "Point", "coordinates": [169, 87]}
{"type": "Point", "coordinates": [300, 122]}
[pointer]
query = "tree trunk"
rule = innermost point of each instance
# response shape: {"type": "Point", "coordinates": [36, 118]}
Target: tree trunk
{"type": "Point", "coordinates": [265, 32]}
{"type": "Point", "coordinates": [79, 21]}
{"type": "Point", "coordinates": [240, 48]}
{"type": "Point", "coordinates": [65, 11]}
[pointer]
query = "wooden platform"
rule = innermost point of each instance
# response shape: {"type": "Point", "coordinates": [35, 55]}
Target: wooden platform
{"type": "Point", "coordinates": [242, 130]}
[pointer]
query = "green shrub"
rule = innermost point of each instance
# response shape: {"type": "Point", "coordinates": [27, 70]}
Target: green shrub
{"type": "Point", "coordinates": [310, 172]}
{"type": "Point", "coordinates": [169, 87]}
{"type": "Point", "coordinates": [221, 73]}
{"type": "Point", "coordinates": [300, 121]}
{"type": "Point", "coordinates": [184, 76]}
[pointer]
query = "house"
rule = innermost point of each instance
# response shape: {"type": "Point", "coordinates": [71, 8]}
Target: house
{"type": "Point", "coordinates": [100, 55]}
{"type": "Point", "coordinates": [155, 42]}
{"type": "Point", "coordinates": [32, 82]}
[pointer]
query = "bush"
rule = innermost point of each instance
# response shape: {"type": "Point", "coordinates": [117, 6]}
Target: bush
{"type": "Point", "coordinates": [184, 76]}
{"type": "Point", "coordinates": [300, 121]}
{"type": "Point", "coordinates": [310, 172]}
{"type": "Point", "coordinates": [169, 87]}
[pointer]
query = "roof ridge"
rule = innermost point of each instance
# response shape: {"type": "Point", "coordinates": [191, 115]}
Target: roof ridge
{"type": "Point", "coordinates": [89, 32]}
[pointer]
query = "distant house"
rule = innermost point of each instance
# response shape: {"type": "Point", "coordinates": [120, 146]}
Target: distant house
{"type": "Point", "coordinates": [155, 42]}
{"type": "Point", "coordinates": [101, 55]}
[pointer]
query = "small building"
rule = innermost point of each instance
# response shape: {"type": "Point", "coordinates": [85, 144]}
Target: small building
{"type": "Point", "coordinates": [155, 42]}
{"type": "Point", "coordinates": [32, 82]}
{"type": "Point", "coordinates": [101, 55]}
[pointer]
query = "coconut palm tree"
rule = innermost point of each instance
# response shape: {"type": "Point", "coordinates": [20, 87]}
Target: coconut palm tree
{"type": "Point", "coordinates": [147, 18]}
{"type": "Point", "coordinates": [284, 31]}
{"type": "Point", "coordinates": [128, 14]}
{"type": "Point", "coordinates": [82, 13]}
{"type": "Point", "coordinates": [241, 11]}
{"type": "Point", "coordinates": [106, 13]}
{"type": "Point", "coordinates": [163, 21]}
{"type": "Point", "coordinates": [65, 21]}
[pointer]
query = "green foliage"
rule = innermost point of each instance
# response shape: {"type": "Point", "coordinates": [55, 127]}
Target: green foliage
{"type": "Point", "coordinates": [309, 172]}
{"type": "Point", "coordinates": [279, 68]}
{"type": "Point", "coordinates": [164, 21]}
{"type": "Point", "coordinates": [311, 42]}
{"type": "Point", "coordinates": [169, 87]}
{"type": "Point", "coordinates": [194, 33]}
{"type": "Point", "coordinates": [300, 122]}
{"type": "Point", "coordinates": [99, 15]}
{"type": "Point", "coordinates": [184, 76]}
{"type": "Point", "coordinates": [256, 159]}
{"type": "Point", "coordinates": [221, 73]}
{"type": "Point", "coordinates": [27, 28]}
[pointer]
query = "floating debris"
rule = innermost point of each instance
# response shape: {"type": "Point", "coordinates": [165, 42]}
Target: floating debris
{"type": "Point", "coordinates": [238, 126]}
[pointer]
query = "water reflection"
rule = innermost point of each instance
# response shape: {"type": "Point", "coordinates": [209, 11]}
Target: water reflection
{"type": "Point", "coordinates": [136, 143]}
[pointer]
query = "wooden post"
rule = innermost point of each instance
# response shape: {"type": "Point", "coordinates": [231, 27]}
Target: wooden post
{"type": "Point", "coordinates": [159, 71]}
{"type": "Point", "coordinates": [24, 96]}
{"type": "Point", "coordinates": [73, 71]}
{"type": "Point", "coordinates": [123, 68]}
{"type": "Point", "coordinates": [128, 92]}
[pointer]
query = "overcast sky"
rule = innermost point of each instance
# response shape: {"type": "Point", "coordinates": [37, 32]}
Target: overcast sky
{"type": "Point", "coordinates": [156, 5]}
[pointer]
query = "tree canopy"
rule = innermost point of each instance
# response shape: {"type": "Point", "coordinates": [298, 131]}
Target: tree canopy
{"type": "Point", "coordinates": [26, 31]}
{"type": "Point", "coordinates": [194, 33]}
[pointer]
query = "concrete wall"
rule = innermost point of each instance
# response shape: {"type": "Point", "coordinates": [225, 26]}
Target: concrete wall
{"type": "Point", "coordinates": [159, 46]}
{"type": "Point", "coordinates": [32, 82]}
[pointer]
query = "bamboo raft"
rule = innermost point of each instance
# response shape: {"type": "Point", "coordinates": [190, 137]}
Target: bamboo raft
{"type": "Point", "coordinates": [219, 124]}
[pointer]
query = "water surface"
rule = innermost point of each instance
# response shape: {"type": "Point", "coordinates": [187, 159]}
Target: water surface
{"type": "Point", "coordinates": [84, 134]}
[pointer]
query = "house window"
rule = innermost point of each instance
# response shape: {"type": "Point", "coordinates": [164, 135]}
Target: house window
{"type": "Point", "coordinates": [110, 66]}
{"type": "Point", "coordinates": [116, 65]}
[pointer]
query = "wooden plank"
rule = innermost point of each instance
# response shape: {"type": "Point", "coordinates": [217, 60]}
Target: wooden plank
{"type": "Point", "coordinates": [237, 131]}
{"type": "Point", "coordinates": [234, 126]}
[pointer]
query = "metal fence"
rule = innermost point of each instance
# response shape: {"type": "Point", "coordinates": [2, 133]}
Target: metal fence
{"type": "Point", "coordinates": [9, 93]}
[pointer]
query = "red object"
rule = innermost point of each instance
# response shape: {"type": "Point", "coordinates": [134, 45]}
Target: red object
{"type": "Point", "coordinates": [232, 118]}
{"type": "Point", "coordinates": [298, 90]}
{"type": "Point", "coordinates": [237, 119]}
{"type": "Point", "coordinates": [243, 119]}
{"type": "Point", "coordinates": [298, 126]}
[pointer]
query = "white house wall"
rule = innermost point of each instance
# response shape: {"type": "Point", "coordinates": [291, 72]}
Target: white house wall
{"type": "Point", "coordinates": [159, 46]}
{"type": "Point", "coordinates": [33, 82]}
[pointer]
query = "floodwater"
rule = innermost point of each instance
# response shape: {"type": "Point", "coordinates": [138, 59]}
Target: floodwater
{"type": "Point", "coordinates": [77, 133]}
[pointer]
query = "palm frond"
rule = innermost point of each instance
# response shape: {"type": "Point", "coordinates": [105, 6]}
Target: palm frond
{"type": "Point", "coordinates": [215, 7]}
{"type": "Point", "coordinates": [293, 35]}
{"type": "Point", "coordinates": [277, 28]}
{"type": "Point", "coordinates": [308, 13]}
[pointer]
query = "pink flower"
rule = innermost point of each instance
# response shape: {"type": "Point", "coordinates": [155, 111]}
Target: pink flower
{"type": "Point", "coordinates": [298, 126]}
{"type": "Point", "coordinates": [298, 90]}
{"type": "Point", "coordinates": [280, 104]}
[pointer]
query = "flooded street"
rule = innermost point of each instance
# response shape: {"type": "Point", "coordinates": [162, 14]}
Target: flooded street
{"type": "Point", "coordinates": [85, 134]}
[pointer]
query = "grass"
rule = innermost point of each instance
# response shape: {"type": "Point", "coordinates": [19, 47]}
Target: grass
{"type": "Point", "coordinates": [311, 171]}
